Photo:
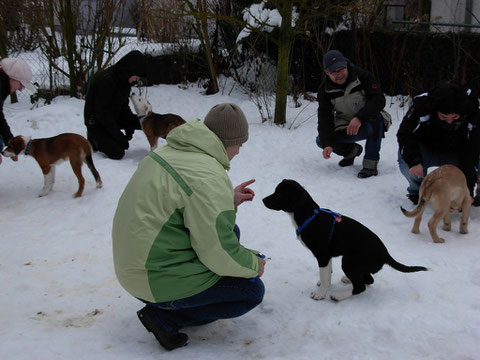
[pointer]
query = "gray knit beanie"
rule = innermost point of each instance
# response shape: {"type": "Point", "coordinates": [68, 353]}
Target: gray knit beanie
{"type": "Point", "coordinates": [229, 123]}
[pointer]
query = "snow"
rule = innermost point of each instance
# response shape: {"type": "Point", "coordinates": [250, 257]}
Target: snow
{"type": "Point", "coordinates": [257, 16]}
{"type": "Point", "coordinates": [60, 298]}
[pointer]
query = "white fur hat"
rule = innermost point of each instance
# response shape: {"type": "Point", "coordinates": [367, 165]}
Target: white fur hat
{"type": "Point", "coordinates": [17, 69]}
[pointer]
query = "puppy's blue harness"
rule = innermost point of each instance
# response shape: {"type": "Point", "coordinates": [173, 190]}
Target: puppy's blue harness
{"type": "Point", "coordinates": [336, 218]}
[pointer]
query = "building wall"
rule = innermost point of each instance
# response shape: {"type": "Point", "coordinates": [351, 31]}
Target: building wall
{"type": "Point", "coordinates": [454, 12]}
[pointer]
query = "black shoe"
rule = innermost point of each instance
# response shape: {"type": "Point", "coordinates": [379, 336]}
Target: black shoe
{"type": "Point", "coordinates": [413, 198]}
{"type": "Point", "coordinates": [94, 145]}
{"type": "Point", "coordinates": [168, 340]}
{"type": "Point", "coordinates": [348, 160]}
{"type": "Point", "coordinates": [476, 200]}
{"type": "Point", "coordinates": [366, 173]}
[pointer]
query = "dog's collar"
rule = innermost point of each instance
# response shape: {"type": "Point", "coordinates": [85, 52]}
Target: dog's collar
{"type": "Point", "coordinates": [27, 147]}
{"type": "Point", "coordinates": [336, 218]}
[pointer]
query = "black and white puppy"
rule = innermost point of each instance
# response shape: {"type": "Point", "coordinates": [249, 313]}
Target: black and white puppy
{"type": "Point", "coordinates": [328, 234]}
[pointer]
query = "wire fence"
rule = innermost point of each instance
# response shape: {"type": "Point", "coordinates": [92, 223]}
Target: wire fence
{"type": "Point", "coordinates": [46, 78]}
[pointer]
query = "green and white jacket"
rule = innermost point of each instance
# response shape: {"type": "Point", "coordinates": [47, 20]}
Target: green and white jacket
{"type": "Point", "coordinates": [173, 228]}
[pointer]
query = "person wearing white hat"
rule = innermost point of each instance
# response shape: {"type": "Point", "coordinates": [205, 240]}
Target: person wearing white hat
{"type": "Point", "coordinates": [15, 74]}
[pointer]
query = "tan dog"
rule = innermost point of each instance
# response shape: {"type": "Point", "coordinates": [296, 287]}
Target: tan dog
{"type": "Point", "coordinates": [48, 152]}
{"type": "Point", "coordinates": [154, 125]}
{"type": "Point", "coordinates": [446, 189]}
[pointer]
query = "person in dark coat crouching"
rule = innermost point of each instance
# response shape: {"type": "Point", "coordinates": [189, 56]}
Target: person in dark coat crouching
{"type": "Point", "coordinates": [106, 110]}
{"type": "Point", "coordinates": [441, 127]}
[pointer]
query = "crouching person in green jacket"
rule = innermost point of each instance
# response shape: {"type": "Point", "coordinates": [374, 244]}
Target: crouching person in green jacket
{"type": "Point", "coordinates": [175, 242]}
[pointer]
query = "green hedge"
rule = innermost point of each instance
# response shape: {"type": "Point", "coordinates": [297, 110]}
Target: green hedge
{"type": "Point", "coordinates": [403, 62]}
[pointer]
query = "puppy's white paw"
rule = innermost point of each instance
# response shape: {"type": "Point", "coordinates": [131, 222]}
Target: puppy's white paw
{"type": "Point", "coordinates": [345, 280]}
{"type": "Point", "coordinates": [318, 295]}
{"type": "Point", "coordinates": [339, 296]}
{"type": "Point", "coordinates": [43, 193]}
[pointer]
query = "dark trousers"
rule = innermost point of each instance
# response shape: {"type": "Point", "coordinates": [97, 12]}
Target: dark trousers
{"type": "Point", "coordinates": [229, 298]}
{"type": "Point", "coordinates": [102, 141]}
{"type": "Point", "coordinates": [429, 159]}
{"type": "Point", "coordinates": [371, 132]}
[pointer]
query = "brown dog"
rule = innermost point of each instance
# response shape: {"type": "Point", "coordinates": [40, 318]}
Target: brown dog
{"type": "Point", "coordinates": [154, 125]}
{"type": "Point", "coordinates": [48, 152]}
{"type": "Point", "coordinates": [446, 189]}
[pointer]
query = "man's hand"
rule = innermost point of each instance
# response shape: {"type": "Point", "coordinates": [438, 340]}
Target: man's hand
{"type": "Point", "coordinates": [417, 170]}
{"type": "Point", "coordinates": [262, 267]}
{"type": "Point", "coordinates": [327, 152]}
{"type": "Point", "coordinates": [243, 193]}
{"type": "Point", "coordinates": [354, 126]}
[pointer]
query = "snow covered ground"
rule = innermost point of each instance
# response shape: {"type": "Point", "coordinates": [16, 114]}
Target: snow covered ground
{"type": "Point", "coordinates": [60, 298]}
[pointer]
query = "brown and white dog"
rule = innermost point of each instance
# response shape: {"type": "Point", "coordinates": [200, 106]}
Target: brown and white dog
{"type": "Point", "coordinates": [154, 125]}
{"type": "Point", "coordinates": [446, 189]}
{"type": "Point", "coordinates": [49, 152]}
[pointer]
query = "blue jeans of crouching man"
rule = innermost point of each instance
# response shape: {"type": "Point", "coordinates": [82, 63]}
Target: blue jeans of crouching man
{"type": "Point", "coordinates": [230, 297]}
{"type": "Point", "coordinates": [371, 132]}
{"type": "Point", "coordinates": [429, 159]}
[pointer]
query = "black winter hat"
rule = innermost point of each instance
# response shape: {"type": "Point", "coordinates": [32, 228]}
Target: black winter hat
{"type": "Point", "coordinates": [449, 98]}
{"type": "Point", "coordinates": [134, 63]}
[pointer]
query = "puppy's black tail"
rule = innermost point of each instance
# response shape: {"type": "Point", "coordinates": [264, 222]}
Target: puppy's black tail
{"type": "Point", "coordinates": [404, 268]}
{"type": "Point", "coordinates": [91, 166]}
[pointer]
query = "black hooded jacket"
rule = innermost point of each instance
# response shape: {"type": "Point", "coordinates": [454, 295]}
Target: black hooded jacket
{"type": "Point", "coordinates": [106, 103]}
{"type": "Point", "coordinates": [422, 126]}
{"type": "Point", "coordinates": [4, 92]}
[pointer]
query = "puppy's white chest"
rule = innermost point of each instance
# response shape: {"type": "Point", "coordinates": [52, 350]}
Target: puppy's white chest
{"type": "Point", "coordinates": [299, 236]}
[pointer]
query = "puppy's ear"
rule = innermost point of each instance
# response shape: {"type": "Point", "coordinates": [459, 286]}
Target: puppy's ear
{"type": "Point", "coordinates": [17, 145]}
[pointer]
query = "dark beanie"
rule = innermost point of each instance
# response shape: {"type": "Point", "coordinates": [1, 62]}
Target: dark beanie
{"type": "Point", "coordinates": [449, 98]}
{"type": "Point", "coordinates": [229, 123]}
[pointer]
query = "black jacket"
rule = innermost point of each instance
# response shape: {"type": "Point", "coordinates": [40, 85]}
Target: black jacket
{"type": "Point", "coordinates": [422, 126]}
{"type": "Point", "coordinates": [374, 101]}
{"type": "Point", "coordinates": [4, 92]}
{"type": "Point", "coordinates": [106, 103]}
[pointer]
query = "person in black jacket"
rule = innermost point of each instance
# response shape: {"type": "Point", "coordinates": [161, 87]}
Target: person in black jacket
{"type": "Point", "coordinates": [350, 109]}
{"type": "Point", "coordinates": [106, 110]}
{"type": "Point", "coordinates": [441, 127]}
{"type": "Point", "coordinates": [15, 74]}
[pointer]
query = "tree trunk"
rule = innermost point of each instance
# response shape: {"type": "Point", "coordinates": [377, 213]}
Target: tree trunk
{"type": "Point", "coordinates": [284, 49]}
{"type": "Point", "coordinates": [69, 32]}
{"type": "Point", "coordinates": [213, 89]}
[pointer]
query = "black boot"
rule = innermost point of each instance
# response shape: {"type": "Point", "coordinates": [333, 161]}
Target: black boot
{"type": "Point", "coordinates": [369, 169]}
{"type": "Point", "coordinates": [348, 159]}
{"type": "Point", "coordinates": [413, 198]}
{"type": "Point", "coordinates": [168, 340]}
{"type": "Point", "coordinates": [366, 173]}
{"type": "Point", "coordinates": [476, 200]}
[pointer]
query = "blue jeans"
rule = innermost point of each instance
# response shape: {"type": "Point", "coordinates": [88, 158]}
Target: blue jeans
{"type": "Point", "coordinates": [230, 297]}
{"type": "Point", "coordinates": [371, 132]}
{"type": "Point", "coordinates": [429, 159]}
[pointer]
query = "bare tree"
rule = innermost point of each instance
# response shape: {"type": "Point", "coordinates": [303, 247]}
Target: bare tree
{"type": "Point", "coordinates": [77, 35]}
